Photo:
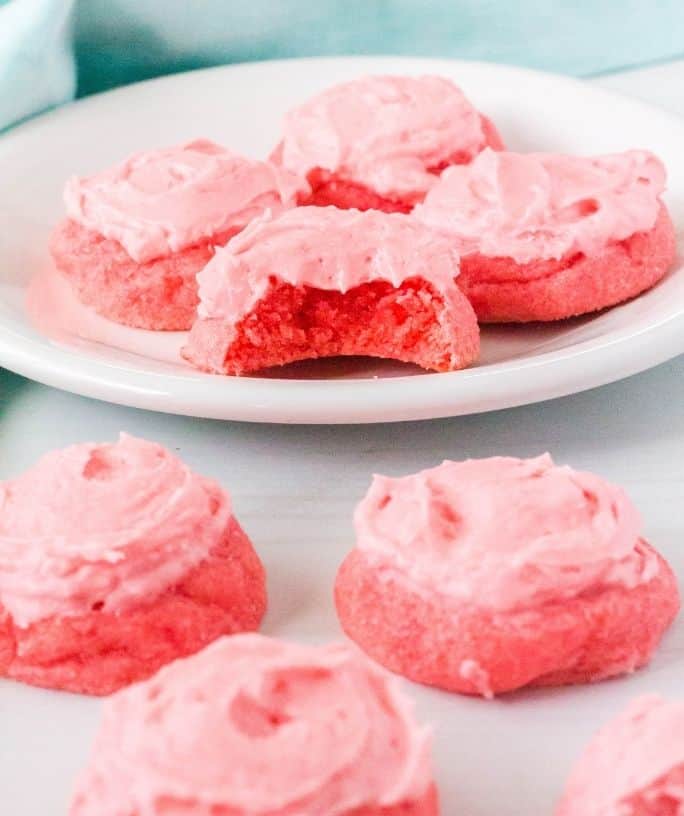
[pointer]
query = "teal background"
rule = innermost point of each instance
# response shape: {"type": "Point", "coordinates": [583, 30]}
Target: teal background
{"type": "Point", "coordinates": [124, 40]}
{"type": "Point", "coordinates": [53, 49]}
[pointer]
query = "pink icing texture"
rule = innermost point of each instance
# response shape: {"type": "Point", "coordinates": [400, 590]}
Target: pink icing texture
{"type": "Point", "coordinates": [385, 132]}
{"type": "Point", "coordinates": [503, 533]}
{"type": "Point", "coordinates": [633, 767]}
{"type": "Point", "coordinates": [160, 202]}
{"type": "Point", "coordinates": [102, 526]}
{"type": "Point", "coordinates": [324, 248]}
{"type": "Point", "coordinates": [533, 206]}
{"type": "Point", "coordinates": [257, 727]}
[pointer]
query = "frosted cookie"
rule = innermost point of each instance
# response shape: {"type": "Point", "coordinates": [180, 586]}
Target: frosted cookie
{"type": "Point", "coordinates": [380, 142]}
{"type": "Point", "coordinates": [634, 766]}
{"type": "Point", "coordinates": [116, 559]}
{"type": "Point", "coordinates": [488, 575]}
{"type": "Point", "coordinates": [323, 282]}
{"type": "Point", "coordinates": [545, 236]}
{"type": "Point", "coordinates": [137, 235]}
{"type": "Point", "coordinates": [257, 727]}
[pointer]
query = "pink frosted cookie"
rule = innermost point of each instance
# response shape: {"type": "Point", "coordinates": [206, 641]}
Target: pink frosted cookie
{"type": "Point", "coordinates": [252, 726]}
{"type": "Point", "coordinates": [544, 236]}
{"type": "Point", "coordinates": [114, 560]}
{"type": "Point", "coordinates": [381, 142]}
{"type": "Point", "coordinates": [323, 282]}
{"type": "Point", "coordinates": [137, 235]}
{"type": "Point", "coordinates": [634, 766]}
{"type": "Point", "coordinates": [488, 575]}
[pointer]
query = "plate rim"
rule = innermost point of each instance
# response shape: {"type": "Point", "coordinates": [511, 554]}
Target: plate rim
{"type": "Point", "coordinates": [569, 80]}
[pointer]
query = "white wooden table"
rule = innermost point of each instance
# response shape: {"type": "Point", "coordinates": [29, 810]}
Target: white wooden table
{"type": "Point", "coordinates": [294, 489]}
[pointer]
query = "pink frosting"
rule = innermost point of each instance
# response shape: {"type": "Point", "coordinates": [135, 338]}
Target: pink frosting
{"type": "Point", "coordinates": [385, 132]}
{"type": "Point", "coordinates": [102, 526]}
{"type": "Point", "coordinates": [503, 533]}
{"type": "Point", "coordinates": [162, 201]}
{"type": "Point", "coordinates": [257, 727]}
{"type": "Point", "coordinates": [633, 767]}
{"type": "Point", "coordinates": [529, 206]}
{"type": "Point", "coordinates": [325, 248]}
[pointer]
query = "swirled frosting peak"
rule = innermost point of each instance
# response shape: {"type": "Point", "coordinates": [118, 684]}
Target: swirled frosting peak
{"type": "Point", "coordinates": [257, 727]}
{"type": "Point", "coordinates": [503, 533]}
{"type": "Point", "coordinates": [530, 206]}
{"type": "Point", "coordinates": [102, 527]}
{"type": "Point", "coordinates": [385, 132]}
{"type": "Point", "coordinates": [162, 201]}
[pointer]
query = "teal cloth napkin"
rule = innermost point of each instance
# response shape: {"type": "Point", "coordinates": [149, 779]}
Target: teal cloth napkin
{"type": "Point", "coordinates": [120, 41]}
{"type": "Point", "coordinates": [37, 68]}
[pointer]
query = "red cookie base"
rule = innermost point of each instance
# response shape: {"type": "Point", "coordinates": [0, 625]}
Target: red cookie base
{"type": "Point", "coordinates": [502, 290]}
{"type": "Point", "coordinates": [160, 295]}
{"type": "Point", "coordinates": [410, 323]}
{"type": "Point", "coordinates": [471, 650]}
{"type": "Point", "coordinates": [102, 652]}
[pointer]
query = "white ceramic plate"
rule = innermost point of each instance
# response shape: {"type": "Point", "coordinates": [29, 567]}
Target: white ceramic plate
{"type": "Point", "coordinates": [242, 107]}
